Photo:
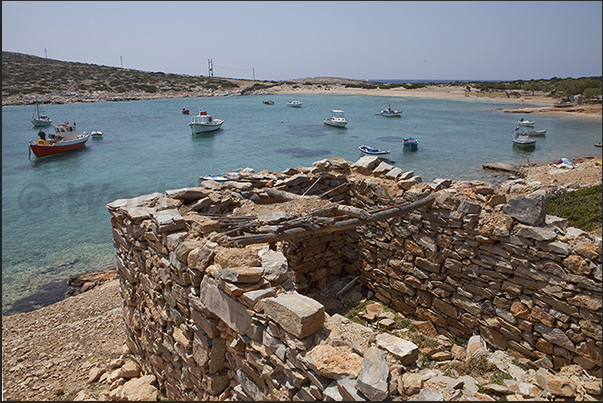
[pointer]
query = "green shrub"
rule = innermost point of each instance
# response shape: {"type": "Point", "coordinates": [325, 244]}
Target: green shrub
{"type": "Point", "coordinates": [582, 208]}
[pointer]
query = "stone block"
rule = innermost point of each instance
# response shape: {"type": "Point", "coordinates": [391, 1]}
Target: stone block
{"type": "Point", "coordinates": [297, 314]}
{"type": "Point", "coordinates": [216, 301]}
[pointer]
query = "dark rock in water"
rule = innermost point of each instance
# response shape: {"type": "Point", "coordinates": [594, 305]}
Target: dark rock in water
{"type": "Point", "coordinates": [501, 166]}
{"type": "Point", "coordinates": [48, 294]}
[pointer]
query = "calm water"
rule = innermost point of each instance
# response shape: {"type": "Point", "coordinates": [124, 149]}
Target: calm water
{"type": "Point", "coordinates": [54, 220]}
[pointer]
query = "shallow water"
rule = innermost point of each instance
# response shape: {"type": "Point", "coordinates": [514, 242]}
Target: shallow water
{"type": "Point", "coordinates": [54, 220]}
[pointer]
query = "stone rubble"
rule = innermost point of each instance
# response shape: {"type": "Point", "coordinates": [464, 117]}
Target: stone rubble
{"type": "Point", "coordinates": [209, 321]}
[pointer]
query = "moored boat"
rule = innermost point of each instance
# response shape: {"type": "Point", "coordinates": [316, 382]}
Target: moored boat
{"type": "Point", "coordinates": [373, 151]}
{"type": "Point", "coordinates": [390, 112]}
{"type": "Point", "coordinates": [268, 102]}
{"type": "Point", "coordinates": [65, 138]}
{"type": "Point", "coordinates": [96, 134]}
{"type": "Point", "coordinates": [531, 132]}
{"type": "Point", "coordinates": [185, 111]}
{"type": "Point", "coordinates": [337, 120]}
{"type": "Point", "coordinates": [411, 143]}
{"type": "Point", "coordinates": [203, 123]}
{"type": "Point", "coordinates": [524, 141]}
{"type": "Point", "coordinates": [294, 104]}
{"type": "Point", "coordinates": [527, 123]}
{"type": "Point", "coordinates": [39, 118]}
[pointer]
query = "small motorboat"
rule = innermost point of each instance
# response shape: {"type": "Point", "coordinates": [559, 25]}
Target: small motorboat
{"type": "Point", "coordinates": [390, 112]}
{"type": "Point", "coordinates": [268, 102]}
{"type": "Point", "coordinates": [373, 151]}
{"type": "Point", "coordinates": [185, 111]}
{"type": "Point", "coordinates": [411, 143]}
{"type": "Point", "coordinates": [528, 123]}
{"type": "Point", "coordinates": [203, 123]}
{"type": "Point", "coordinates": [65, 138]}
{"type": "Point", "coordinates": [530, 132]}
{"type": "Point", "coordinates": [294, 104]}
{"type": "Point", "coordinates": [524, 141]}
{"type": "Point", "coordinates": [96, 134]}
{"type": "Point", "coordinates": [563, 104]}
{"type": "Point", "coordinates": [337, 120]}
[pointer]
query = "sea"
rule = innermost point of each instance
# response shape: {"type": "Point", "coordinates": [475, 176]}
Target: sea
{"type": "Point", "coordinates": [55, 223]}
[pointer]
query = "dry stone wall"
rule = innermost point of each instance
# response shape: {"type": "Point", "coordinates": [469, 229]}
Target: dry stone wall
{"type": "Point", "coordinates": [215, 279]}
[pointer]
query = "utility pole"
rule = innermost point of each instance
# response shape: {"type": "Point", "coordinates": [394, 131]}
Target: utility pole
{"type": "Point", "coordinates": [121, 61]}
{"type": "Point", "coordinates": [46, 53]}
{"type": "Point", "coordinates": [210, 66]}
{"type": "Point", "coordinates": [253, 68]}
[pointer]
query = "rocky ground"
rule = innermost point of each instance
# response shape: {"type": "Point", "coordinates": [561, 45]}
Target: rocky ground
{"type": "Point", "coordinates": [74, 349]}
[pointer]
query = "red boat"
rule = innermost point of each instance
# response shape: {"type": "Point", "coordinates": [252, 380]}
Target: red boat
{"type": "Point", "coordinates": [65, 138]}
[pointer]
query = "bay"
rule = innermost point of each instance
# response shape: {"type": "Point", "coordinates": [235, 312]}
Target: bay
{"type": "Point", "coordinates": [54, 218]}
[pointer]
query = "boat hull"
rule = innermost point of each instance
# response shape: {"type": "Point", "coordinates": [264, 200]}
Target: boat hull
{"type": "Point", "coordinates": [396, 114]}
{"type": "Point", "coordinates": [58, 148]}
{"type": "Point", "coordinates": [526, 124]}
{"type": "Point", "coordinates": [335, 123]}
{"type": "Point", "coordinates": [41, 123]}
{"type": "Point", "coordinates": [373, 151]}
{"type": "Point", "coordinates": [198, 128]}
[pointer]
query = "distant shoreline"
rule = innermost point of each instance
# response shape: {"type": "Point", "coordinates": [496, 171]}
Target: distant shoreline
{"type": "Point", "coordinates": [440, 92]}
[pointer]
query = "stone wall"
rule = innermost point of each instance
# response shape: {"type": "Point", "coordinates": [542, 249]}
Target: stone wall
{"type": "Point", "coordinates": [215, 279]}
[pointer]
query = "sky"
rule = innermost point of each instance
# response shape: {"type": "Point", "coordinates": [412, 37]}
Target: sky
{"type": "Point", "coordinates": [283, 40]}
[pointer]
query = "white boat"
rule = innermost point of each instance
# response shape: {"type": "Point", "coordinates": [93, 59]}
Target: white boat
{"type": "Point", "coordinates": [531, 132]}
{"type": "Point", "coordinates": [373, 151]}
{"type": "Point", "coordinates": [96, 134]}
{"type": "Point", "coordinates": [268, 102]}
{"type": "Point", "coordinates": [40, 119]}
{"type": "Point", "coordinates": [203, 123]}
{"type": "Point", "coordinates": [528, 123]}
{"type": "Point", "coordinates": [390, 112]}
{"type": "Point", "coordinates": [524, 141]}
{"type": "Point", "coordinates": [337, 120]}
{"type": "Point", "coordinates": [294, 104]}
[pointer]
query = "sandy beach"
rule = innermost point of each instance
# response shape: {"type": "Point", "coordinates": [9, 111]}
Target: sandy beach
{"type": "Point", "coordinates": [449, 92]}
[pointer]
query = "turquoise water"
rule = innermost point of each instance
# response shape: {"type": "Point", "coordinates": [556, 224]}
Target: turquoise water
{"type": "Point", "coordinates": [54, 220]}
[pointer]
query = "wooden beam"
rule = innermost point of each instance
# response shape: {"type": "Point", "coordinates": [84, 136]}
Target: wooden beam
{"type": "Point", "coordinates": [338, 226]}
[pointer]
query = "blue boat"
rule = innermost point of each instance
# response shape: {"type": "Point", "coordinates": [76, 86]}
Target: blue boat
{"type": "Point", "coordinates": [411, 143]}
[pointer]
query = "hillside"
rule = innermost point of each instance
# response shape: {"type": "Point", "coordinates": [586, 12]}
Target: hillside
{"type": "Point", "coordinates": [26, 78]}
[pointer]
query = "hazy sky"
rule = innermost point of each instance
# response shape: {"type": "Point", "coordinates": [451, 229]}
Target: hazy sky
{"type": "Point", "coordinates": [280, 40]}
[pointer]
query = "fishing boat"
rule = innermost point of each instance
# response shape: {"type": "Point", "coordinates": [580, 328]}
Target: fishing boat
{"type": "Point", "coordinates": [411, 143]}
{"type": "Point", "coordinates": [390, 112]}
{"type": "Point", "coordinates": [96, 134]}
{"type": "Point", "coordinates": [185, 111]}
{"type": "Point", "coordinates": [203, 123]}
{"type": "Point", "coordinates": [65, 138]}
{"type": "Point", "coordinates": [337, 120]}
{"type": "Point", "coordinates": [294, 104]}
{"type": "Point", "coordinates": [531, 132]}
{"type": "Point", "coordinates": [373, 151]}
{"type": "Point", "coordinates": [524, 141]}
{"type": "Point", "coordinates": [268, 102]}
{"type": "Point", "coordinates": [39, 118]}
{"type": "Point", "coordinates": [528, 123]}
